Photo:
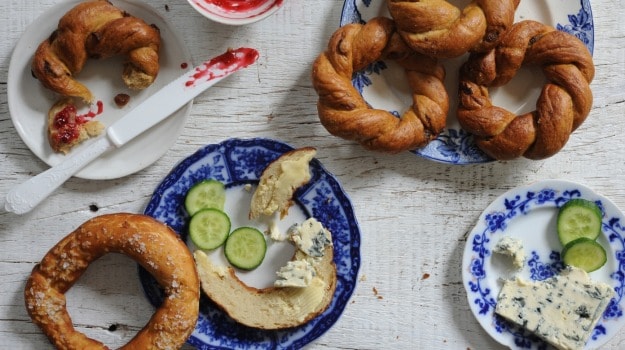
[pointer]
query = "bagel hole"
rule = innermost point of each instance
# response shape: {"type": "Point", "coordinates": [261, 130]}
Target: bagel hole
{"type": "Point", "coordinates": [237, 206]}
{"type": "Point", "coordinates": [388, 90]}
{"type": "Point", "coordinates": [520, 94]}
{"type": "Point", "coordinates": [107, 302]}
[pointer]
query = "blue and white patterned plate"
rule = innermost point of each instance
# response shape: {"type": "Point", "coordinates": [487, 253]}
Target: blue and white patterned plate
{"type": "Point", "coordinates": [382, 83]}
{"type": "Point", "coordinates": [237, 162]}
{"type": "Point", "coordinates": [529, 213]}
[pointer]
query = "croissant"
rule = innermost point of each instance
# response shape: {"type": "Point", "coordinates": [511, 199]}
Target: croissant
{"type": "Point", "coordinates": [439, 29]}
{"type": "Point", "coordinates": [564, 103]}
{"type": "Point", "coordinates": [96, 29]}
{"type": "Point", "coordinates": [343, 111]}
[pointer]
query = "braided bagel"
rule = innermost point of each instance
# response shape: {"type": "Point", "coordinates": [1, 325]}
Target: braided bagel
{"type": "Point", "coordinates": [344, 112]}
{"type": "Point", "coordinates": [155, 246]}
{"type": "Point", "coordinates": [564, 103]}
{"type": "Point", "coordinates": [96, 29]}
{"type": "Point", "coordinates": [438, 29]}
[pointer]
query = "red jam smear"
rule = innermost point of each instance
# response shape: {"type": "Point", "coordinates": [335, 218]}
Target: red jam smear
{"type": "Point", "coordinates": [222, 65]}
{"type": "Point", "coordinates": [236, 5]}
{"type": "Point", "coordinates": [67, 122]}
{"type": "Point", "coordinates": [254, 7]}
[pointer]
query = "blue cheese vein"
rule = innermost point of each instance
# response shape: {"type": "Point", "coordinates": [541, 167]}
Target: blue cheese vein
{"type": "Point", "coordinates": [310, 237]}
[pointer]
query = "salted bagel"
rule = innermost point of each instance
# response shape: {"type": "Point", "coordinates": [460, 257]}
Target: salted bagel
{"type": "Point", "coordinates": [96, 29]}
{"type": "Point", "coordinates": [344, 112]}
{"type": "Point", "coordinates": [563, 105]}
{"type": "Point", "coordinates": [152, 244]}
{"type": "Point", "coordinates": [439, 29]}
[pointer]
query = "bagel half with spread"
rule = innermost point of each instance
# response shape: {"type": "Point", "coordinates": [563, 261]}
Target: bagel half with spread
{"type": "Point", "coordinates": [279, 181]}
{"type": "Point", "coordinates": [273, 307]}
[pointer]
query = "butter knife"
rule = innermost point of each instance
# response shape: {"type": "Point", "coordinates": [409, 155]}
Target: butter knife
{"type": "Point", "coordinates": [24, 197]}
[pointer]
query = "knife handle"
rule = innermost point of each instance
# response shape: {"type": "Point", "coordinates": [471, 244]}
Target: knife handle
{"type": "Point", "coordinates": [24, 197]}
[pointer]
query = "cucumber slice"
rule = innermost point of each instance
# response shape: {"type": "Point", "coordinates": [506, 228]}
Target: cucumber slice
{"type": "Point", "coordinates": [584, 253]}
{"type": "Point", "coordinates": [578, 218]}
{"type": "Point", "coordinates": [205, 194]}
{"type": "Point", "coordinates": [209, 228]}
{"type": "Point", "coordinates": [245, 248]}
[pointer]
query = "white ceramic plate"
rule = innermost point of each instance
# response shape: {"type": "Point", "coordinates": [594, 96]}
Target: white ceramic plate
{"type": "Point", "coordinates": [236, 12]}
{"type": "Point", "coordinates": [529, 214]}
{"type": "Point", "coordinates": [237, 163]}
{"type": "Point", "coordinates": [29, 101]}
{"type": "Point", "coordinates": [383, 85]}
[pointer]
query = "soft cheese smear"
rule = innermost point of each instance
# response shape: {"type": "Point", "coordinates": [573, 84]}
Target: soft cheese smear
{"type": "Point", "coordinates": [562, 310]}
{"type": "Point", "coordinates": [279, 181]}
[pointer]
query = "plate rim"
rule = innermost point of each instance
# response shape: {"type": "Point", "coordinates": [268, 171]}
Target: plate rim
{"type": "Point", "coordinates": [483, 310]}
{"type": "Point", "coordinates": [348, 282]}
{"type": "Point", "coordinates": [455, 146]}
{"type": "Point", "coordinates": [15, 74]}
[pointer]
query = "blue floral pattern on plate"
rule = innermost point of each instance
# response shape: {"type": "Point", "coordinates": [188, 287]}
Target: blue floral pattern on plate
{"type": "Point", "coordinates": [513, 214]}
{"type": "Point", "coordinates": [241, 161]}
{"type": "Point", "coordinates": [454, 145]}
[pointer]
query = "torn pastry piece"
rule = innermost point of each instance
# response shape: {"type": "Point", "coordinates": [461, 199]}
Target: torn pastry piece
{"type": "Point", "coordinates": [67, 129]}
{"type": "Point", "coordinates": [279, 181]}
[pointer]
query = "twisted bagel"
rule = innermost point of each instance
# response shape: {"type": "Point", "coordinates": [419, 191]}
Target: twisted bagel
{"type": "Point", "coordinates": [344, 112]}
{"type": "Point", "coordinates": [563, 105]}
{"type": "Point", "coordinates": [439, 29]}
{"type": "Point", "coordinates": [96, 29]}
{"type": "Point", "coordinates": [151, 243]}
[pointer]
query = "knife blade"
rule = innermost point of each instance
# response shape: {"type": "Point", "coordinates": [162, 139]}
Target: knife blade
{"type": "Point", "coordinates": [157, 107]}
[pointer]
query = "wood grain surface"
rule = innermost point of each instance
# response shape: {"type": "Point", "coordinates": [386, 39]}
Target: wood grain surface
{"type": "Point", "coordinates": [414, 214]}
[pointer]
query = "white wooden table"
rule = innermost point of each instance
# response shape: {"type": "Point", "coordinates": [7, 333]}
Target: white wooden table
{"type": "Point", "coordinates": [413, 213]}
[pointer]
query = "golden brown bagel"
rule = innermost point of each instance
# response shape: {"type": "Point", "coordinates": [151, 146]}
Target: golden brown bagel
{"type": "Point", "coordinates": [564, 103]}
{"type": "Point", "coordinates": [152, 244]}
{"type": "Point", "coordinates": [96, 29]}
{"type": "Point", "coordinates": [344, 112]}
{"type": "Point", "coordinates": [438, 29]}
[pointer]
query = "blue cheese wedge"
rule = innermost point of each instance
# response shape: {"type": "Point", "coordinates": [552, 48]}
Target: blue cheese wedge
{"type": "Point", "coordinates": [311, 240]}
{"type": "Point", "coordinates": [512, 247]}
{"type": "Point", "coordinates": [310, 237]}
{"type": "Point", "coordinates": [562, 310]}
{"type": "Point", "coordinates": [296, 273]}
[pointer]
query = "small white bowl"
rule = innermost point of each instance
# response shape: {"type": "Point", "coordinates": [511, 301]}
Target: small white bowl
{"type": "Point", "coordinates": [236, 12]}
